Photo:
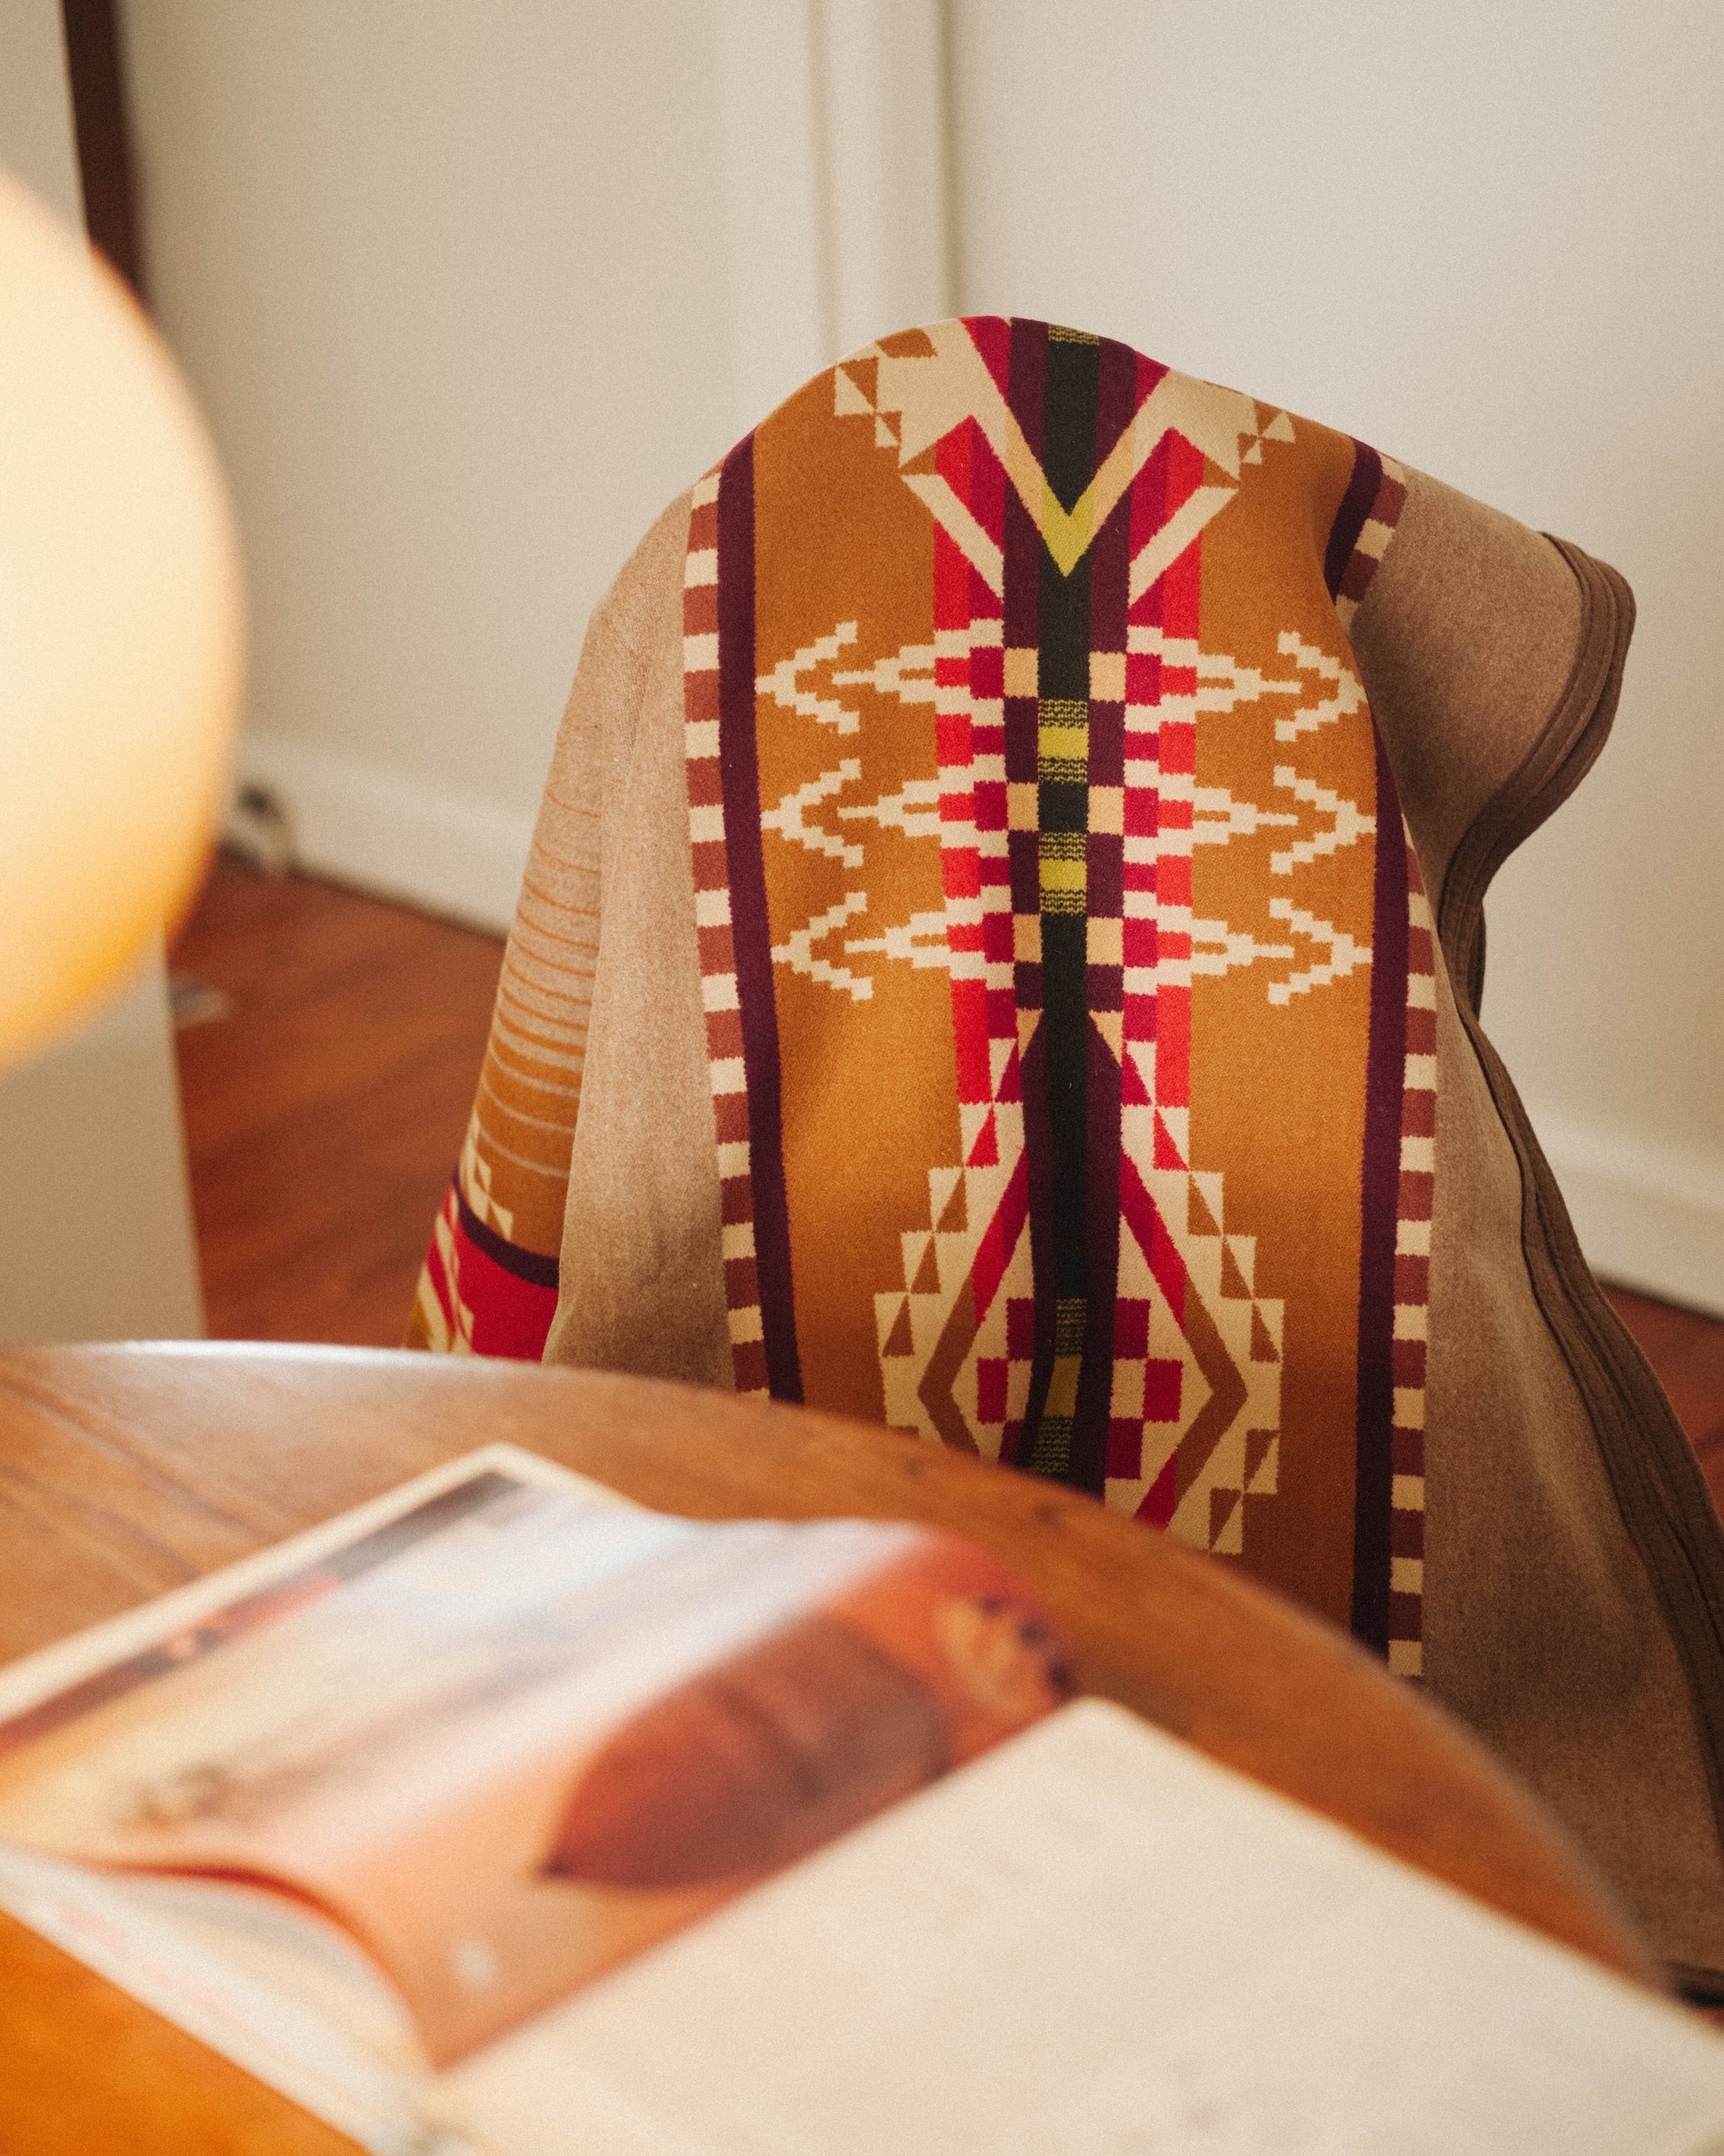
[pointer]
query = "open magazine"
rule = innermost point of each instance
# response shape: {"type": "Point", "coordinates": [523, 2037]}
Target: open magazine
{"type": "Point", "coordinates": [383, 1814]}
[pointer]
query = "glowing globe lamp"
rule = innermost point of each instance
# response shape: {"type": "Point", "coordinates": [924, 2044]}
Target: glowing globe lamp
{"type": "Point", "coordinates": [121, 630]}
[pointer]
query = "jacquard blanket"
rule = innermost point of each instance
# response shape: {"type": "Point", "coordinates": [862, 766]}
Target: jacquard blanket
{"type": "Point", "coordinates": [977, 972]}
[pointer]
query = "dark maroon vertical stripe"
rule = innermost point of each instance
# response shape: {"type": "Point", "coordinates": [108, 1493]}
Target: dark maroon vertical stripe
{"type": "Point", "coordinates": [1110, 599]}
{"type": "Point", "coordinates": [1026, 393]}
{"type": "Point", "coordinates": [1038, 1165]}
{"type": "Point", "coordinates": [1350, 517]}
{"type": "Point", "coordinates": [739, 769]}
{"type": "Point", "coordinates": [1386, 1072]}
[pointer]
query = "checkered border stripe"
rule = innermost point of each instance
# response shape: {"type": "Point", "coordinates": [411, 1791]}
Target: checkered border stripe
{"type": "Point", "coordinates": [1373, 541]}
{"type": "Point", "coordinates": [717, 949]}
{"type": "Point", "coordinates": [1381, 514]}
{"type": "Point", "coordinates": [1412, 1281]}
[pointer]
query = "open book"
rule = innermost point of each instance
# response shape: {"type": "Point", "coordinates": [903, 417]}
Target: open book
{"type": "Point", "coordinates": [502, 1816]}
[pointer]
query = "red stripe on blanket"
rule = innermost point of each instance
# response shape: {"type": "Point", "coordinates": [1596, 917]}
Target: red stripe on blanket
{"type": "Point", "coordinates": [488, 1307]}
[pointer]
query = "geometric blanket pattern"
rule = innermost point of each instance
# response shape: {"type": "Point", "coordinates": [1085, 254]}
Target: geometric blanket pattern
{"type": "Point", "coordinates": [1068, 977]}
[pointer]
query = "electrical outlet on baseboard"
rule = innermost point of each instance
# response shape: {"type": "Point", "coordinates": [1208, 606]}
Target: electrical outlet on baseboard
{"type": "Point", "coordinates": [258, 827]}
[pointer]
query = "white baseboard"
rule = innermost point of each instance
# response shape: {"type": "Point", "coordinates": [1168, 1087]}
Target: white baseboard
{"type": "Point", "coordinates": [359, 824]}
{"type": "Point", "coordinates": [1650, 1214]}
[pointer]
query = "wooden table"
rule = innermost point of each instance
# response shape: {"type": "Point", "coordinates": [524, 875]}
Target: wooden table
{"type": "Point", "coordinates": [127, 1471]}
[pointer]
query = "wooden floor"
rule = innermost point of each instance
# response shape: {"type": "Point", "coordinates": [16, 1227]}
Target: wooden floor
{"type": "Point", "coordinates": [324, 1113]}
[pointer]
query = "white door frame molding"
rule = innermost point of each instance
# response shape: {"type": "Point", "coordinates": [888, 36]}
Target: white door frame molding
{"type": "Point", "coordinates": [838, 202]}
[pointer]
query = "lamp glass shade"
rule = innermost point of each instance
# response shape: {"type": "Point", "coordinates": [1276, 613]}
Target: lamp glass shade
{"type": "Point", "coordinates": [121, 629]}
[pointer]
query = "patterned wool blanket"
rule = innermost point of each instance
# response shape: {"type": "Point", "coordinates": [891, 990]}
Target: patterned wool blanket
{"type": "Point", "coordinates": [976, 974]}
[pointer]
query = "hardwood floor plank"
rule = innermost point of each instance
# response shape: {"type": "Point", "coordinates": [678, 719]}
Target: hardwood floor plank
{"type": "Point", "coordinates": [324, 1114]}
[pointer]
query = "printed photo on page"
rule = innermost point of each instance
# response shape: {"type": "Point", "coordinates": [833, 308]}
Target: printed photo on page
{"type": "Point", "coordinates": [517, 1733]}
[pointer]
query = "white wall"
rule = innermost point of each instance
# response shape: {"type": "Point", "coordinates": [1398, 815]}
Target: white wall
{"type": "Point", "coordinates": [96, 1237]}
{"type": "Point", "coordinates": [469, 294]}
{"type": "Point", "coordinates": [35, 104]}
{"type": "Point", "coordinates": [1488, 239]}
{"type": "Point", "coordinates": [449, 280]}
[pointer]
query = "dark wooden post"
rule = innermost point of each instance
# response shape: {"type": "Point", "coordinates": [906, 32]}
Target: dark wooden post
{"type": "Point", "coordinates": [97, 66]}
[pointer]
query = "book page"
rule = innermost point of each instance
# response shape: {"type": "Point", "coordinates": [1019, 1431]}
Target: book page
{"type": "Point", "coordinates": [1091, 1942]}
{"type": "Point", "coordinates": [515, 1732]}
{"type": "Point", "coordinates": [291, 1998]}
{"type": "Point", "coordinates": [1097, 1942]}
{"type": "Point", "coordinates": [127, 1642]}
